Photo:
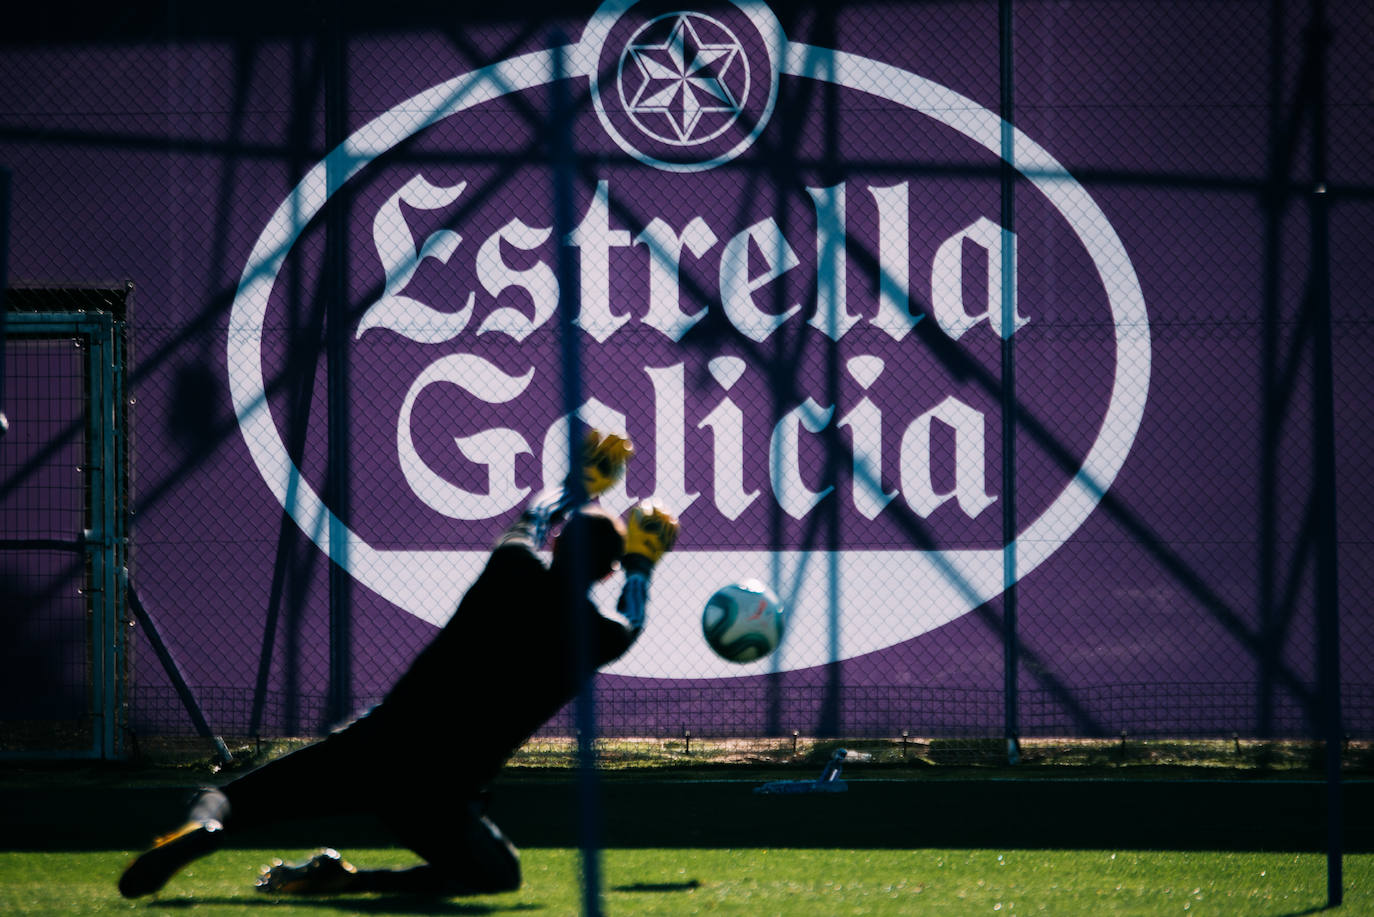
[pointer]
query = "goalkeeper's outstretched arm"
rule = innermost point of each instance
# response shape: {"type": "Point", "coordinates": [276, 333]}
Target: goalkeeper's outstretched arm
{"type": "Point", "coordinates": [604, 456]}
{"type": "Point", "coordinates": [650, 532]}
{"type": "Point", "coordinates": [634, 600]}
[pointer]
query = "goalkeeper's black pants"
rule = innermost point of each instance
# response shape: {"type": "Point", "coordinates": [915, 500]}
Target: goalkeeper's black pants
{"type": "Point", "coordinates": [357, 772]}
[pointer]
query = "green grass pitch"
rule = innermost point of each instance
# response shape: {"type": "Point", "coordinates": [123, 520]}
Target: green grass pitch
{"type": "Point", "coordinates": [781, 881]}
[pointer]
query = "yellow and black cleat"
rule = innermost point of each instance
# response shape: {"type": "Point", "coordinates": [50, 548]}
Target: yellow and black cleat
{"type": "Point", "coordinates": [168, 855]}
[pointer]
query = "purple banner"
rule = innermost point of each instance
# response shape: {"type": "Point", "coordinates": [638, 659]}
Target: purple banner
{"type": "Point", "coordinates": [820, 277]}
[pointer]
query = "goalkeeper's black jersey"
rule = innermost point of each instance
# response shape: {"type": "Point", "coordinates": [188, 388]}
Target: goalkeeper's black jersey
{"type": "Point", "coordinates": [502, 666]}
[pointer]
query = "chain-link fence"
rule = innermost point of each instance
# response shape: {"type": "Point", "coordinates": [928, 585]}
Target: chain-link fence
{"type": "Point", "coordinates": [987, 335]}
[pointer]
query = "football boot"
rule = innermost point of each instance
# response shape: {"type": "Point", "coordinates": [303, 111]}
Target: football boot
{"type": "Point", "coordinates": [325, 873]}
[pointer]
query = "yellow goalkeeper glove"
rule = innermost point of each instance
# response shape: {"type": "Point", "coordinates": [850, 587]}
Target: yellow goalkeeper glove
{"type": "Point", "coordinates": [650, 532]}
{"type": "Point", "coordinates": [603, 461]}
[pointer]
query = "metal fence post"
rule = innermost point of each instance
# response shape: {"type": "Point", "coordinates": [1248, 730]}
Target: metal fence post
{"type": "Point", "coordinates": [5, 185]}
{"type": "Point", "coordinates": [103, 535]}
{"type": "Point", "coordinates": [1324, 464]}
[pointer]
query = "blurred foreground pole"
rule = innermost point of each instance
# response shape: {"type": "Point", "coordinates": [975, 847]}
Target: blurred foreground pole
{"type": "Point", "coordinates": [569, 302]}
{"type": "Point", "coordinates": [1010, 645]}
{"type": "Point", "coordinates": [1324, 450]}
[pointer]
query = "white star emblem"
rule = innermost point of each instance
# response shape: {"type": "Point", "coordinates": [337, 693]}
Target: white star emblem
{"type": "Point", "coordinates": [684, 78]}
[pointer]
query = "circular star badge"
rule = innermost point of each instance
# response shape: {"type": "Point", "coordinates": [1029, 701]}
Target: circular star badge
{"type": "Point", "coordinates": [679, 89]}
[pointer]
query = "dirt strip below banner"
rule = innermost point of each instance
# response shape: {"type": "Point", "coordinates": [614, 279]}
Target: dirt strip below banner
{"type": "Point", "coordinates": [873, 813]}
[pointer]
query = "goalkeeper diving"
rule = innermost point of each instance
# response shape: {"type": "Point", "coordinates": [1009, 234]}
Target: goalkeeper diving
{"type": "Point", "coordinates": [422, 760]}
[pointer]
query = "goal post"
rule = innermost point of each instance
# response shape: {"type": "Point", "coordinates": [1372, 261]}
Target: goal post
{"type": "Point", "coordinates": [64, 498]}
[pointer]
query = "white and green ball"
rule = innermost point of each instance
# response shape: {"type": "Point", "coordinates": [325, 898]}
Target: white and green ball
{"type": "Point", "coordinates": [743, 621]}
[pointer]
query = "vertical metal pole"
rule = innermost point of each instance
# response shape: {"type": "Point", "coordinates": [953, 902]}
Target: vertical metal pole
{"type": "Point", "coordinates": [105, 368]}
{"type": "Point", "coordinates": [102, 534]}
{"type": "Point", "coordinates": [1274, 204]}
{"type": "Point", "coordinates": [569, 303]}
{"type": "Point", "coordinates": [337, 357]}
{"type": "Point", "coordinates": [97, 534]}
{"type": "Point", "coordinates": [120, 503]}
{"type": "Point", "coordinates": [1010, 646]}
{"type": "Point", "coordinates": [5, 185]}
{"type": "Point", "coordinates": [288, 535]}
{"type": "Point", "coordinates": [1324, 484]}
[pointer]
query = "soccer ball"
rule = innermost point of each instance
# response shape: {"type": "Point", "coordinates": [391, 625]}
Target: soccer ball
{"type": "Point", "coordinates": [743, 621]}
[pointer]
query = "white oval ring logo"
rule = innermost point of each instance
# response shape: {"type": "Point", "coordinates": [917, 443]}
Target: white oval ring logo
{"type": "Point", "coordinates": [429, 583]}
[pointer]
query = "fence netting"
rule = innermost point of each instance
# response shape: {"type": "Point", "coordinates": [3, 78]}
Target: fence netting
{"type": "Point", "coordinates": [880, 347]}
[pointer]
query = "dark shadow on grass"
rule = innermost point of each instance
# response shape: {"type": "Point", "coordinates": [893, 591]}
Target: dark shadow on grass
{"type": "Point", "coordinates": [686, 886]}
{"type": "Point", "coordinates": [381, 904]}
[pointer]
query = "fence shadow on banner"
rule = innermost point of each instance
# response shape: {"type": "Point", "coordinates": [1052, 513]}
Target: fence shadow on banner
{"type": "Point", "coordinates": [296, 562]}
